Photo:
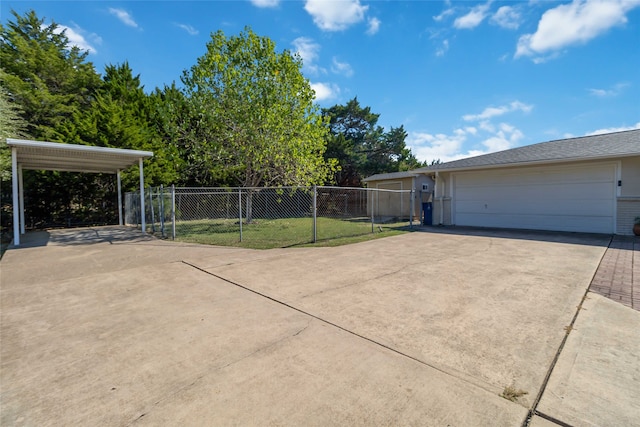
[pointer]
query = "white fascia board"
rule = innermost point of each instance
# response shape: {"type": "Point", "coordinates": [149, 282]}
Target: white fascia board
{"type": "Point", "coordinates": [534, 163]}
{"type": "Point", "coordinates": [79, 148]}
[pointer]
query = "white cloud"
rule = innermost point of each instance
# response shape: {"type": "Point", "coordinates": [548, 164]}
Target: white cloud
{"type": "Point", "coordinates": [486, 126]}
{"type": "Point", "coordinates": [506, 137]}
{"type": "Point", "coordinates": [484, 138]}
{"type": "Point", "coordinates": [331, 15]}
{"type": "Point", "coordinates": [341, 68]}
{"type": "Point", "coordinates": [473, 18]}
{"type": "Point", "coordinates": [489, 112]}
{"type": "Point", "coordinates": [325, 91]}
{"type": "Point", "coordinates": [573, 23]}
{"type": "Point", "coordinates": [507, 17]}
{"type": "Point", "coordinates": [429, 147]}
{"type": "Point", "coordinates": [443, 48]}
{"type": "Point", "coordinates": [614, 129]}
{"type": "Point", "coordinates": [124, 17]}
{"type": "Point", "coordinates": [189, 29]}
{"type": "Point", "coordinates": [447, 148]}
{"type": "Point", "coordinates": [76, 38]}
{"type": "Point", "coordinates": [613, 91]}
{"type": "Point", "coordinates": [265, 3]}
{"type": "Point", "coordinates": [374, 26]}
{"type": "Point", "coordinates": [445, 13]}
{"type": "Point", "coordinates": [308, 51]}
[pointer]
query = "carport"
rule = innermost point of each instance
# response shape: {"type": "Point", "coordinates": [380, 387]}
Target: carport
{"type": "Point", "coordinates": [42, 155]}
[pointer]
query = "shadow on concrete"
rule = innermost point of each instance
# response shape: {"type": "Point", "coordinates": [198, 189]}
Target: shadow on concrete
{"type": "Point", "coordinates": [82, 236]}
{"type": "Point", "coordinates": [589, 239]}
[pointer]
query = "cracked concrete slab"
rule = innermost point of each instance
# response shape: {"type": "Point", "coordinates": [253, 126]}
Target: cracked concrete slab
{"type": "Point", "coordinates": [491, 309]}
{"type": "Point", "coordinates": [324, 376]}
{"type": "Point", "coordinates": [597, 378]}
{"type": "Point", "coordinates": [165, 343]}
{"type": "Point", "coordinates": [104, 348]}
{"type": "Point", "coordinates": [427, 330]}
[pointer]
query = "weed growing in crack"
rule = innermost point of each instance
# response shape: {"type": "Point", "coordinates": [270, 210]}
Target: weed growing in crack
{"type": "Point", "coordinates": [512, 394]}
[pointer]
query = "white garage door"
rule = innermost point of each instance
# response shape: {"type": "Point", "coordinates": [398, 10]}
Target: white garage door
{"type": "Point", "coordinates": [567, 198]}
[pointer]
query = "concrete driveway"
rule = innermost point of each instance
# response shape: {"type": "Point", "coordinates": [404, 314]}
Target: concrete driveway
{"type": "Point", "coordinates": [108, 327]}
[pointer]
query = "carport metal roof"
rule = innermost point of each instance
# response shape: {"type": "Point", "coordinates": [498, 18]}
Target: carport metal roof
{"type": "Point", "coordinates": [43, 155]}
{"type": "Point", "coordinates": [74, 158]}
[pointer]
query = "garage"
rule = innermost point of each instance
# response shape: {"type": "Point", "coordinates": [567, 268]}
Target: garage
{"type": "Point", "coordinates": [582, 184]}
{"type": "Point", "coordinates": [563, 198]}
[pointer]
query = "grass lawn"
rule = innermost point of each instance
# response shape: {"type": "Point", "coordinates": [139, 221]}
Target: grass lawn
{"type": "Point", "coordinates": [285, 232]}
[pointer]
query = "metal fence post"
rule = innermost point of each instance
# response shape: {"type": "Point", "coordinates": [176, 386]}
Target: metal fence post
{"type": "Point", "coordinates": [153, 221]}
{"type": "Point", "coordinates": [161, 210]}
{"type": "Point", "coordinates": [240, 211]}
{"type": "Point", "coordinates": [173, 211]}
{"type": "Point", "coordinates": [411, 206]}
{"type": "Point", "coordinates": [373, 195]}
{"type": "Point", "coordinates": [315, 214]}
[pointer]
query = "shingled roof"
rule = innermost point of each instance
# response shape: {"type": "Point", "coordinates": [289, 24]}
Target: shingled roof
{"type": "Point", "coordinates": [391, 175]}
{"type": "Point", "coordinates": [610, 145]}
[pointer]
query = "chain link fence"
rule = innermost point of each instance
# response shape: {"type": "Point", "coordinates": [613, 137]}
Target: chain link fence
{"type": "Point", "coordinates": [269, 217]}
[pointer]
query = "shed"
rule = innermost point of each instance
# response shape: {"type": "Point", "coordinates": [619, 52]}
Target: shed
{"type": "Point", "coordinates": [396, 200]}
{"type": "Point", "coordinates": [42, 155]}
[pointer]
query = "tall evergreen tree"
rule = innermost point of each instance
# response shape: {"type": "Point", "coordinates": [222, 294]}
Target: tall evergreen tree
{"type": "Point", "coordinates": [362, 147]}
{"type": "Point", "coordinates": [44, 74]}
{"type": "Point", "coordinates": [123, 116]}
{"type": "Point", "coordinates": [52, 82]}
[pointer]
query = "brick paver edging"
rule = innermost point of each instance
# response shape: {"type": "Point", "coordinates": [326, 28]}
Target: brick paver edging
{"type": "Point", "coordinates": [618, 275]}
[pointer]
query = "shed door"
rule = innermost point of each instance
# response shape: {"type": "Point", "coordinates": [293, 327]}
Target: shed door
{"type": "Point", "coordinates": [564, 198]}
{"type": "Point", "coordinates": [389, 203]}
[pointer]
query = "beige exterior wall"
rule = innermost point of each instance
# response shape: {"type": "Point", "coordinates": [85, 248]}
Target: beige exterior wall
{"type": "Point", "coordinates": [630, 177]}
{"type": "Point", "coordinates": [442, 211]}
{"type": "Point", "coordinates": [442, 199]}
{"type": "Point", "coordinates": [628, 204]}
{"type": "Point", "coordinates": [627, 209]}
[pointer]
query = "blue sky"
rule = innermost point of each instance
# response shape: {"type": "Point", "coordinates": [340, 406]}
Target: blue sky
{"type": "Point", "coordinates": [463, 77]}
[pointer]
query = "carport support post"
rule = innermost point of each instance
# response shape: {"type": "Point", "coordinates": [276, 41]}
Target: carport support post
{"type": "Point", "coordinates": [21, 198]}
{"type": "Point", "coordinates": [142, 211]}
{"type": "Point", "coordinates": [16, 206]}
{"type": "Point", "coordinates": [119, 197]}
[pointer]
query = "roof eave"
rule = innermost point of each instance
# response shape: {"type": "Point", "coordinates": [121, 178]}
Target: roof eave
{"type": "Point", "coordinates": [532, 163]}
{"type": "Point", "coordinates": [384, 178]}
{"type": "Point", "coordinates": [78, 148]}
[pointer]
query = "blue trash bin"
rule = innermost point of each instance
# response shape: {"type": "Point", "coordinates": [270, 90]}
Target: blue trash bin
{"type": "Point", "coordinates": [427, 213]}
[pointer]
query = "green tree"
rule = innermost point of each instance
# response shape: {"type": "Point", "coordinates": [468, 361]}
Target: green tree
{"type": "Point", "coordinates": [255, 113]}
{"type": "Point", "coordinates": [51, 82]}
{"type": "Point", "coordinates": [362, 147]}
{"type": "Point", "coordinates": [179, 122]}
{"type": "Point", "coordinates": [350, 127]}
{"type": "Point", "coordinates": [123, 116]}
{"type": "Point", "coordinates": [12, 125]}
{"type": "Point", "coordinates": [47, 77]}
